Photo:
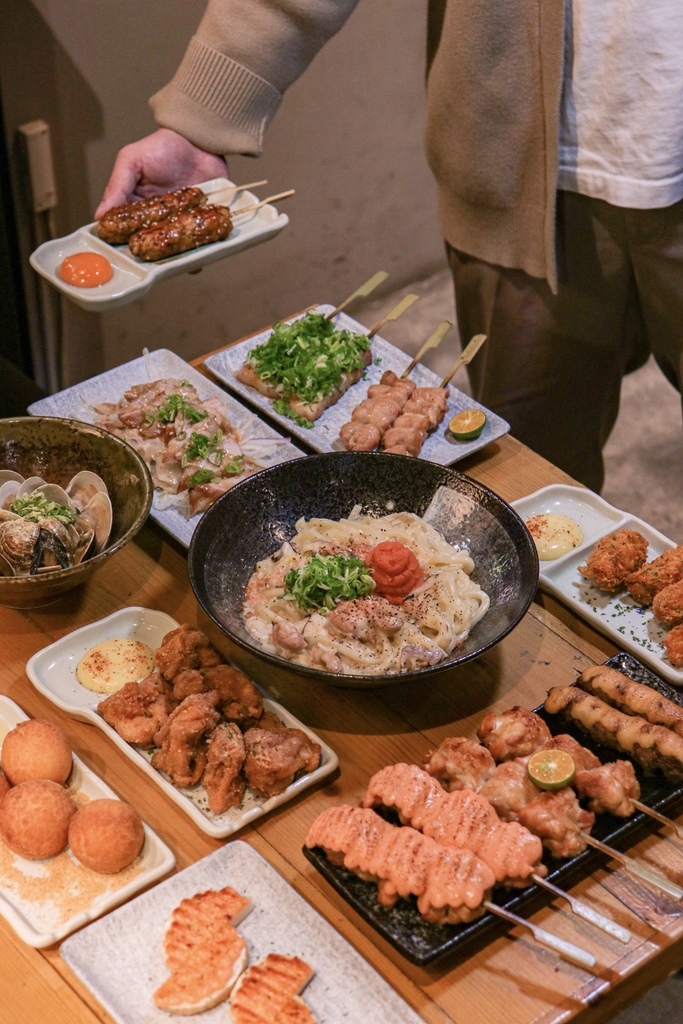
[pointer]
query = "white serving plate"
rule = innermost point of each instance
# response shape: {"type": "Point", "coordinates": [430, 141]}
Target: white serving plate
{"type": "Point", "coordinates": [53, 672]}
{"type": "Point", "coordinates": [618, 615]}
{"type": "Point", "coordinates": [37, 919]}
{"type": "Point", "coordinates": [132, 277]}
{"type": "Point", "coordinates": [78, 403]}
{"type": "Point", "coordinates": [323, 436]}
{"type": "Point", "coordinates": [120, 959]}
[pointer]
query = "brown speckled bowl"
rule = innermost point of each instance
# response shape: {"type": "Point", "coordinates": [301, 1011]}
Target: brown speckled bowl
{"type": "Point", "coordinates": [252, 520]}
{"type": "Point", "coordinates": [57, 449]}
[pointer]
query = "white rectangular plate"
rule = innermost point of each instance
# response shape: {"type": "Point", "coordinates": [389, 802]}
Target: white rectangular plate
{"type": "Point", "coordinates": [323, 436]}
{"type": "Point", "coordinates": [132, 278]}
{"type": "Point", "coordinates": [78, 403]}
{"type": "Point", "coordinates": [80, 895]}
{"type": "Point", "coordinates": [120, 960]}
{"type": "Point", "coordinates": [53, 672]}
{"type": "Point", "coordinates": [629, 624]}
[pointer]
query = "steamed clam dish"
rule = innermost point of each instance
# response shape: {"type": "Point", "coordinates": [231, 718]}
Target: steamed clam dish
{"type": "Point", "coordinates": [44, 527]}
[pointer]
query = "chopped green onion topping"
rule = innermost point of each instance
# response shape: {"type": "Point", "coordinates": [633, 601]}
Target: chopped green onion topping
{"type": "Point", "coordinates": [202, 476]}
{"type": "Point", "coordinates": [174, 406]}
{"type": "Point", "coordinates": [35, 507]}
{"type": "Point", "coordinates": [284, 409]}
{"type": "Point", "coordinates": [328, 579]}
{"type": "Point", "coordinates": [306, 358]}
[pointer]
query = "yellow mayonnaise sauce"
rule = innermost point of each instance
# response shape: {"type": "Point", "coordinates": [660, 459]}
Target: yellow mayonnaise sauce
{"type": "Point", "coordinates": [108, 666]}
{"type": "Point", "coordinates": [554, 535]}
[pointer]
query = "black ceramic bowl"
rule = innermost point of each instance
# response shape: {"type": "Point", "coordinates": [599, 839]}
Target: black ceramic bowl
{"type": "Point", "coordinates": [56, 449]}
{"type": "Point", "coordinates": [255, 517]}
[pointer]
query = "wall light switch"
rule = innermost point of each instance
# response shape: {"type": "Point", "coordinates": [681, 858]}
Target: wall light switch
{"type": "Point", "coordinates": [36, 135]}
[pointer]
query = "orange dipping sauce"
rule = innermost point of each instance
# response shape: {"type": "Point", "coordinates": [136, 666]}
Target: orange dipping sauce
{"type": "Point", "coordinates": [86, 270]}
{"type": "Point", "coordinates": [395, 570]}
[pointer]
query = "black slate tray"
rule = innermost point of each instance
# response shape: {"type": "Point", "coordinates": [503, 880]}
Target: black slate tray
{"type": "Point", "coordinates": [422, 943]}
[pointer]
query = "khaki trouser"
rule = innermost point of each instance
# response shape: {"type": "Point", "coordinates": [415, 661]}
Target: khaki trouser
{"type": "Point", "coordinates": [553, 364]}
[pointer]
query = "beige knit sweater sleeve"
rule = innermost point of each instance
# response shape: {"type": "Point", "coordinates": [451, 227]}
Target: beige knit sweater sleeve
{"type": "Point", "coordinates": [238, 65]}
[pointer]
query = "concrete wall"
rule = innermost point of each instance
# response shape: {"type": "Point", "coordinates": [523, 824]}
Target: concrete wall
{"type": "Point", "coordinates": [348, 138]}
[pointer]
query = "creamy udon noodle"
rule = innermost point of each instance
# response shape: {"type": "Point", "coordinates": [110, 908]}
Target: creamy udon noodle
{"type": "Point", "coordinates": [319, 601]}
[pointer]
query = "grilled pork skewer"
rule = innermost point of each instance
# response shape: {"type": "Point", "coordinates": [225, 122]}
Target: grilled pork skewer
{"type": "Point", "coordinates": [652, 746]}
{"type": "Point", "coordinates": [451, 885]}
{"type": "Point", "coordinates": [631, 697]}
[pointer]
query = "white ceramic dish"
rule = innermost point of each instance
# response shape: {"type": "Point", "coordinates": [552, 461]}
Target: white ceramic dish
{"type": "Point", "coordinates": [323, 436]}
{"type": "Point", "coordinates": [132, 278]}
{"type": "Point", "coordinates": [120, 960]}
{"type": "Point", "coordinates": [627, 623]}
{"type": "Point", "coordinates": [53, 672]}
{"type": "Point", "coordinates": [45, 900]}
{"type": "Point", "coordinates": [78, 403]}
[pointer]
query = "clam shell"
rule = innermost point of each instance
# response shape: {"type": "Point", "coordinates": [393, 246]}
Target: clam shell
{"type": "Point", "coordinates": [82, 487]}
{"type": "Point", "coordinates": [9, 474]}
{"type": "Point", "coordinates": [17, 540]}
{"type": "Point", "coordinates": [30, 485]}
{"type": "Point", "coordinates": [8, 492]}
{"type": "Point", "coordinates": [66, 534]}
{"type": "Point", "coordinates": [98, 513]}
{"type": "Point", "coordinates": [53, 492]}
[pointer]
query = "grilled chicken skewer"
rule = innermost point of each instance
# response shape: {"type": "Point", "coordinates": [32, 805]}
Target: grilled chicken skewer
{"type": "Point", "coordinates": [611, 787]}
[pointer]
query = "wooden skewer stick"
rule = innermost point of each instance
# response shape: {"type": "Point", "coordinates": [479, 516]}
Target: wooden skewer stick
{"type": "Point", "coordinates": [364, 289]}
{"type": "Point", "coordinates": [566, 949]}
{"type": "Point", "coordinates": [223, 195]}
{"type": "Point", "coordinates": [636, 867]}
{"type": "Point", "coordinates": [585, 911]}
{"type": "Point", "coordinates": [659, 817]}
{"type": "Point", "coordinates": [433, 341]}
{"type": "Point", "coordinates": [257, 206]}
{"type": "Point", "coordinates": [394, 313]}
{"type": "Point", "coordinates": [466, 357]}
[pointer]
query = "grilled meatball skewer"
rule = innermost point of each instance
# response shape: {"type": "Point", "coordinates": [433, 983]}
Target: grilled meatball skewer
{"type": "Point", "coordinates": [119, 223]}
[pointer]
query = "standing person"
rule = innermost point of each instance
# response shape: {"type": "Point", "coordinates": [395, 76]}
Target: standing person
{"type": "Point", "coordinates": [555, 134]}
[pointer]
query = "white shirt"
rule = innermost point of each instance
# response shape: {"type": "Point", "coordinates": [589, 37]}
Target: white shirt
{"type": "Point", "coordinates": [621, 115]}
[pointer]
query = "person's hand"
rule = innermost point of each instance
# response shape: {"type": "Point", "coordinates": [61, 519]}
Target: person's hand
{"type": "Point", "coordinates": [160, 162]}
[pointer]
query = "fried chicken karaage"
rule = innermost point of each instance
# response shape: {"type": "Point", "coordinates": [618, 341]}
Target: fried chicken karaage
{"type": "Point", "coordinates": [197, 712]}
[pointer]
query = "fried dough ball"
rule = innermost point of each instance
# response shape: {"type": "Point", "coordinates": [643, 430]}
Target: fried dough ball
{"type": "Point", "coordinates": [36, 749]}
{"type": "Point", "coordinates": [34, 818]}
{"type": "Point", "coordinates": [4, 786]}
{"type": "Point", "coordinates": [106, 835]}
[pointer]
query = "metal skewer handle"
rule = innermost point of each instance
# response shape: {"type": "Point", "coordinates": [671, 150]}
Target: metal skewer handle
{"type": "Point", "coordinates": [585, 911]}
{"type": "Point", "coordinates": [466, 357]}
{"type": "Point", "coordinates": [659, 817]}
{"type": "Point", "coordinates": [566, 949]}
{"type": "Point", "coordinates": [394, 313]}
{"type": "Point", "coordinates": [364, 289]}
{"type": "Point", "coordinates": [636, 868]}
{"type": "Point", "coordinates": [433, 341]}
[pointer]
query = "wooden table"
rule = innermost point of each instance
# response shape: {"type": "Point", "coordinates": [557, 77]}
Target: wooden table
{"type": "Point", "coordinates": [511, 980]}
